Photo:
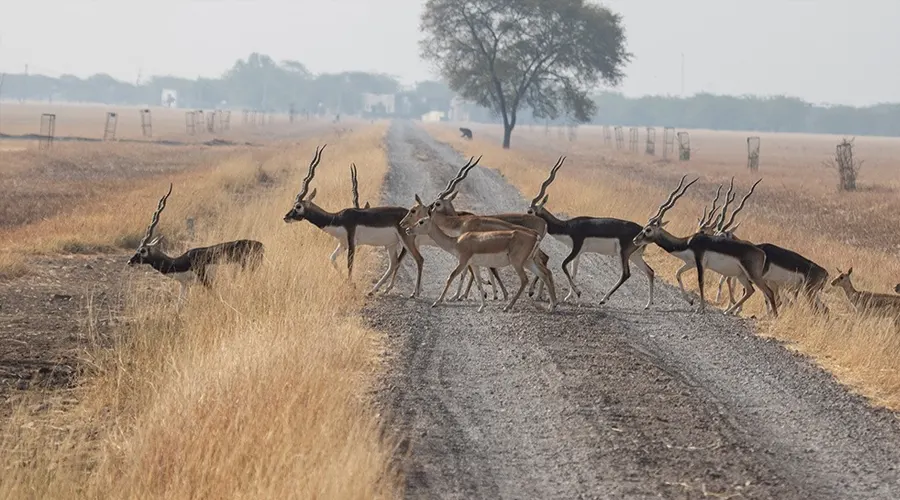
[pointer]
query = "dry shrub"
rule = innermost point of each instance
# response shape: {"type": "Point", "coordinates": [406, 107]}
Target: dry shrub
{"type": "Point", "coordinates": [861, 349]}
{"type": "Point", "coordinates": [255, 389]}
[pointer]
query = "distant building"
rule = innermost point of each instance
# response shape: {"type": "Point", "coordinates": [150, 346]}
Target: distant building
{"type": "Point", "coordinates": [433, 116]}
{"type": "Point", "coordinates": [379, 103]}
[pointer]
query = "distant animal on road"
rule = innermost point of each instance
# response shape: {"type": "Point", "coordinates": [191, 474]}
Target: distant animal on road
{"type": "Point", "coordinates": [466, 132]}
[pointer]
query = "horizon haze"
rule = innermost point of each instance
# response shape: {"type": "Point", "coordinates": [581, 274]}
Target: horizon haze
{"type": "Point", "coordinates": [819, 51]}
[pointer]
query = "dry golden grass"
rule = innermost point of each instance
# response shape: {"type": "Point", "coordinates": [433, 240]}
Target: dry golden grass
{"type": "Point", "coordinates": [12, 265]}
{"type": "Point", "coordinates": [861, 350]}
{"type": "Point", "coordinates": [256, 389]}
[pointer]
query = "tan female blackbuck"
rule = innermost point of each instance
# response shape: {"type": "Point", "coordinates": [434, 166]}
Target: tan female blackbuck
{"type": "Point", "coordinates": [513, 247]}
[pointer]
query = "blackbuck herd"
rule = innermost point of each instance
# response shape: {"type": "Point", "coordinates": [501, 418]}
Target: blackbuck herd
{"type": "Point", "coordinates": [513, 240]}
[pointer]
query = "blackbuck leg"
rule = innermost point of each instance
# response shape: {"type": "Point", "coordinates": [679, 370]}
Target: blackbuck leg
{"type": "Point", "coordinates": [482, 295]}
{"type": "Point", "coordinates": [409, 242]}
{"type": "Point", "coordinates": [523, 282]}
{"type": "Point", "coordinates": [393, 266]}
{"type": "Point", "coordinates": [748, 291]}
{"type": "Point", "coordinates": [684, 293]}
{"type": "Point", "coordinates": [400, 256]}
{"type": "Point", "coordinates": [463, 264]}
{"type": "Point", "coordinates": [337, 252]}
{"type": "Point", "coordinates": [575, 266]}
{"type": "Point", "coordinates": [699, 266]}
{"type": "Point", "coordinates": [546, 277]}
{"type": "Point", "coordinates": [496, 281]}
{"type": "Point", "coordinates": [351, 251]}
{"type": "Point", "coordinates": [576, 249]}
{"type": "Point", "coordinates": [472, 274]}
{"type": "Point", "coordinates": [719, 291]}
{"type": "Point", "coordinates": [638, 259]}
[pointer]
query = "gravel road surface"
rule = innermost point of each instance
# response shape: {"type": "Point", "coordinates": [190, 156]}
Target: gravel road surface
{"type": "Point", "coordinates": [604, 401]}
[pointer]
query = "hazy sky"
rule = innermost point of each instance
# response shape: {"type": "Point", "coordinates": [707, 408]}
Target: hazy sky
{"type": "Point", "coordinates": [821, 50]}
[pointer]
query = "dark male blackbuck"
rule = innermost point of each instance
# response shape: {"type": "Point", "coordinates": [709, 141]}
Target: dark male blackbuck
{"type": "Point", "coordinates": [374, 226]}
{"type": "Point", "coordinates": [601, 235]}
{"type": "Point", "coordinates": [785, 269]}
{"type": "Point", "coordinates": [196, 264]}
{"type": "Point", "coordinates": [726, 256]}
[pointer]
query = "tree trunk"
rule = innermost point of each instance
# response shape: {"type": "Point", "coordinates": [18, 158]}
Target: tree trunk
{"type": "Point", "coordinates": [507, 134]}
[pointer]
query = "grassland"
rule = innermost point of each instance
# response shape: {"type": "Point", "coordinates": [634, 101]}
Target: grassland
{"type": "Point", "coordinates": [255, 389]}
{"type": "Point", "coordinates": [796, 206]}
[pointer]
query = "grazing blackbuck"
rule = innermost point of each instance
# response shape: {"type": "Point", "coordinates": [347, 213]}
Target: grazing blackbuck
{"type": "Point", "coordinates": [196, 263]}
{"type": "Point", "coordinates": [375, 226]}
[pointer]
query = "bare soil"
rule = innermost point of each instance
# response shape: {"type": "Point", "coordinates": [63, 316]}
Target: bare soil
{"type": "Point", "coordinates": [604, 401]}
{"type": "Point", "coordinates": [51, 316]}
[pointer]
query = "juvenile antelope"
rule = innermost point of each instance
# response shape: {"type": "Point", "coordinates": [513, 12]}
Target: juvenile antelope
{"type": "Point", "coordinates": [602, 235]}
{"type": "Point", "coordinates": [514, 247]}
{"type": "Point", "coordinates": [378, 226]}
{"type": "Point", "coordinates": [196, 263]}
{"type": "Point", "coordinates": [866, 301]}
{"type": "Point", "coordinates": [725, 256]}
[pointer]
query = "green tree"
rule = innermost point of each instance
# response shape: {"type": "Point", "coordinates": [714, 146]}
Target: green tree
{"type": "Point", "coordinates": [547, 55]}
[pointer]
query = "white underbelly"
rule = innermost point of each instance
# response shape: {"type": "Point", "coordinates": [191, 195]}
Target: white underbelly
{"type": "Point", "coordinates": [565, 239]}
{"type": "Point", "coordinates": [725, 265]}
{"type": "Point", "coordinates": [371, 236]}
{"type": "Point", "coordinates": [189, 277]}
{"type": "Point", "coordinates": [687, 256]}
{"type": "Point", "coordinates": [782, 276]}
{"type": "Point", "coordinates": [605, 246]}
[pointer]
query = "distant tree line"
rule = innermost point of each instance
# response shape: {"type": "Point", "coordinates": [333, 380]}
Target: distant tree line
{"type": "Point", "coordinates": [257, 82]}
{"type": "Point", "coordinates": [261, 83]}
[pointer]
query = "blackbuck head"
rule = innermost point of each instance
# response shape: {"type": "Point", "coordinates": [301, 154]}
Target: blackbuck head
{"type": "Point", "coordinates": [443, 202]}
{"type": "Point", "coordinates": [302, 203]}
{"type": "Point", "coordinates": [148, 248]}
{"type": "Point", "coordinates": [842, 280]}
{"type": "Point", "coordinates": [420, 227]}
{"type": "Point", "coordinates": [537, 204]}
{"type": "Point", "coordinates": [416, 213]}
{"type": "Point", "coordinates": [654, 231]}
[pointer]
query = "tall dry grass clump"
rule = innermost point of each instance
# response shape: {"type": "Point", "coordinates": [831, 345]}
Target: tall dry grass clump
{"type": "Point", "coordinates": [254, 389]}
{"type": "Point", "coordinates": [861, 349]}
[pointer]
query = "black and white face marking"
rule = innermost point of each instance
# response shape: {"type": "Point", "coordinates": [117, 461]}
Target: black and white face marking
{"type": "Point", "coordinates": [298, 211]}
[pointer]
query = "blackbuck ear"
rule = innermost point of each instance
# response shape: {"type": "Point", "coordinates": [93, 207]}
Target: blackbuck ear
{"type": "Point", "coordinates": [452, 195]}
{"type": "Point", "coordinates": [663, 224]}
{"type": "Point", "coordinates": [544, 201]}
{"type": "Point", "coordinates": [849, 271]}
{"type": "Point", "coordinates": [419, 200]}
{"type": "Point", "coordinates": [311, 195]}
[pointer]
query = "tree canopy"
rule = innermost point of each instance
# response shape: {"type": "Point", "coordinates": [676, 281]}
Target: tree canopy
{"type": "Point", "coordinates": [546, 55]}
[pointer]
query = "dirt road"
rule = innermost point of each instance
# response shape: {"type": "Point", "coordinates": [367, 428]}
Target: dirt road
{"type": "Point", "coordinates": [605, 401]}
